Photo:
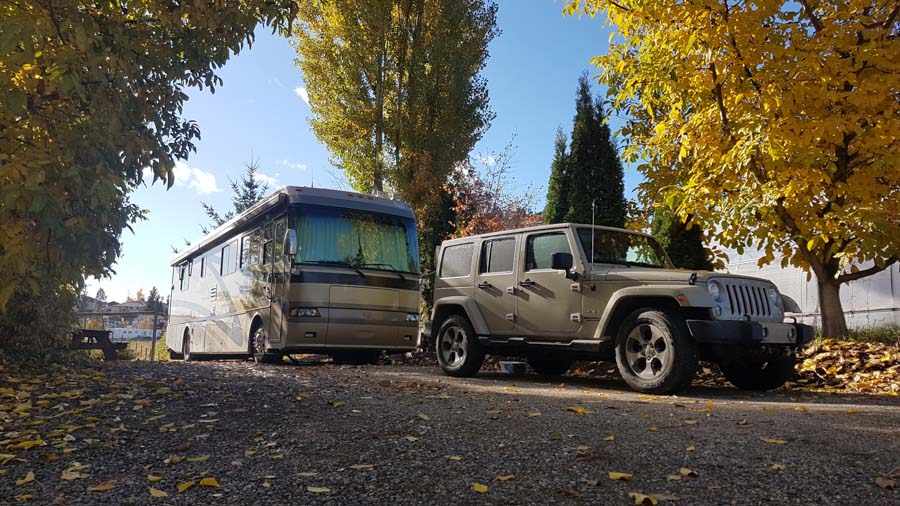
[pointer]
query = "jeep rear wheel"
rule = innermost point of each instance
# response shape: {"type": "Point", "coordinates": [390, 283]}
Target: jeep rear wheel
{"type": "Point", "coordinates": [766, 373]}
{"type": "Point", "coordinates": [458, 351]}
{"type": "Point", "coordinates": [549, 365]}
{"type": "Point", "coordinates": [655, 353]}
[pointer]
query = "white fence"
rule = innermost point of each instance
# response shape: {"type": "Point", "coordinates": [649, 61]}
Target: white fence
{"type": "Point", "coordinates": [873, 301]}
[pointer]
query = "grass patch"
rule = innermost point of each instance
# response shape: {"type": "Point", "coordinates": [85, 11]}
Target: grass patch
{"type": "Point", "coordinates": [889, 334]}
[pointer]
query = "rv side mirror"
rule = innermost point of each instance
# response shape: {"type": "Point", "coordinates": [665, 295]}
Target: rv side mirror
{"type": "Point", "coordinates": [290, 242]}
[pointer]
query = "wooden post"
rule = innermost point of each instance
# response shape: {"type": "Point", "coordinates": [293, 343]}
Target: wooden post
{"type": "Point", "coordinates": [153, 340]}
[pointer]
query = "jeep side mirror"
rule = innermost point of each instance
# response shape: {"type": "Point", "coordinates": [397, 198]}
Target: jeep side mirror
{"type": "Point", "coordinates": [290, 242]}
{"type": "Point", "coordinates": [561, 261]}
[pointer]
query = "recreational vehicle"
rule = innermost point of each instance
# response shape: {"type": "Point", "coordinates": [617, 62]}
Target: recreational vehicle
{"type": "Point", "coordinates": [305, 270]}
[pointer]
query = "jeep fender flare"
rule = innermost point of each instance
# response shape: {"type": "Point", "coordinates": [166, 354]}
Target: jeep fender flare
{"type": "Point", "coordinates": [470, 308]}
{"type": "Point", "coordinates": [680, 295]}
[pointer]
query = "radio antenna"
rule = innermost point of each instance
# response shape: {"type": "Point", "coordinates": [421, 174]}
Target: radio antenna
{"type": "Point", "coordinates": [593, 211]}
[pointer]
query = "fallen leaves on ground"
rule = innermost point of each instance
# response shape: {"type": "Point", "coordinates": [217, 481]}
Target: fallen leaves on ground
{"type": "Point", "coordinates": [581, 410]}
{"type": "Point", "coordinates": [851, 366]}
{"type": "Point", "coordinates": [505, 477]}
{"type": "Point", "coordinates": [778, 467]}
{"type": "Point", "coordinates": [209, 481]}
{"type": "Point", "coordinates": [619, 476]}
{"type": "Point", "coordinates": [155, 492]}
{"type": "Point", "coordinates": [101, 487]}
{"type": "Point", "coordinates": [643, 499]}
{"type": "Point", "coordinates": [480, 488]}
{"type": "Point", "coordinates": [318, 490]}
{"type": "Point", "coordinates": [26, 480]}
{"type": "Point", "coordinates": [774, 441]}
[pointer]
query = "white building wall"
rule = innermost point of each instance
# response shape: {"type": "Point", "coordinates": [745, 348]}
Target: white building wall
{"type": "Point", "coordinates": [873, 301]}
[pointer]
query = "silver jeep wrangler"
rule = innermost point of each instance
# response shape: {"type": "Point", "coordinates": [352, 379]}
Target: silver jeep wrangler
{"type": "Point", "coordinates": [559, 293]}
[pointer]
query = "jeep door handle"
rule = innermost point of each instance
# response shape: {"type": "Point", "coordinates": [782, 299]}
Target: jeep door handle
{"type": "Point", "coordinates": [484, 285]}
{"type": "Point", "coordinates": [527, 283]}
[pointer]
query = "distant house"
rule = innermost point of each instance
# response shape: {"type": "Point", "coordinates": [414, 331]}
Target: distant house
{"type": "Point", "coordinates": [125, 334]}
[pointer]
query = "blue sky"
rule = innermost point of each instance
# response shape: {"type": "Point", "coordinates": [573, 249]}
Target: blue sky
{"type": "Point", "coordinates": [259, 112]}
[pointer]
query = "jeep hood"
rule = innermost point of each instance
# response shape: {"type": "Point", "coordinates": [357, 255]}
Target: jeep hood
{"type": "Point", "coordinates": [666, 276]}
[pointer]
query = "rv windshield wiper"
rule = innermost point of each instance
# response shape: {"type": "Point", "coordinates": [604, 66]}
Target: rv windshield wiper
{"type": "Point", "coordinates": [384, 267]}
{"type": "Point", "coordinates": [335, 263]}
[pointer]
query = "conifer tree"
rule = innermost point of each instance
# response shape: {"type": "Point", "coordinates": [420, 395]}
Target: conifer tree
{"type": "Point", "coordinates": [683, 245]}
{"type": "Point", "coordinates": [248, 190]}
{"type": "Point", "coordinates": [558, 189]}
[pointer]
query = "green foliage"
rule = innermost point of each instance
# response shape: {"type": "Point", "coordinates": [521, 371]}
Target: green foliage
{"type": "Point", "coordinates": [396, 94]}
{"type": "Point", "coordinates": [683, 245]}
{"type": "Point", "coordinates": [37, 321]}
{"type": "Point", "coordinates": [91, 95]}
{"type": "Point", "coordinates": [154, 300]}
{"type": "Point", "coordinates": [161, 352]}
{"type": "Point", "coordinates": [558, 188]}
{"type": "Point", "coordinates": [587, 184]}
{"type": "Point", "coordinates": [248, 190]}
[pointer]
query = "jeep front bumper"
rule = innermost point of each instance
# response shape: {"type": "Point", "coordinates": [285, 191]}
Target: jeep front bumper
{"type": "Point", "coordinates": [749, 332]}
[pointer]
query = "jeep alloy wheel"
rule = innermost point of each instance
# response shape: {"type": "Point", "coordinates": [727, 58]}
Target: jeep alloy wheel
{"type": "Point", "coordinates": [458, 351]}
{"type": "Point", "coordinates": [654, 352]}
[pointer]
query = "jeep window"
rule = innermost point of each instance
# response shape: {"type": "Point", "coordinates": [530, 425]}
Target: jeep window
{"type": "Point", "coordinates": [623, 248]}
{"type": "Point", "coordinates": [539, 250]}
{"type": "Point", "coordinates": [497, 255]}
{"type": "Point", "coordinates": [457, 260]}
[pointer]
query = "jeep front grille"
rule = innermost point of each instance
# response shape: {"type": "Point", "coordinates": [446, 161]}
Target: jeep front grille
{"type": "Point", "coordinates": [748, 300]}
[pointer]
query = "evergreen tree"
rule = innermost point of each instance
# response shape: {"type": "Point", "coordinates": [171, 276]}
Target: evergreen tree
{"type": "Point", "coordinates": [245, 192]}
{"type": "Point", "coordinates": [154, 300]}
{"type": "Point", "coordinates": [595, 173]}
{"type": "Point", "coordinates": [558, 188]}
{"type": "Point", "coordinates": [684, 246]}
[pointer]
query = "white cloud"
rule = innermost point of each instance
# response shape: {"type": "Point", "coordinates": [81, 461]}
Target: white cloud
{"type": "Point", "coordinates": [192, 177]}
{"type": "Point", "coordinates": [301, 92]}
{"type": "Point", "coordinates": [264, 178]}
{"type": "Point", "coordinates": [292, 165]}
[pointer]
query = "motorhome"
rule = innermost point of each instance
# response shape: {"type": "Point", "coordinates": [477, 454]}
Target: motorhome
{"type": "Point", "coordinates": [305, 270]}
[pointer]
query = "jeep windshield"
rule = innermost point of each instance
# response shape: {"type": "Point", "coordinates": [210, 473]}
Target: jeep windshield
{"type": "Point", "coordinates": [355, 239]}
{"type": "Point", "coordinates": [622, 248]}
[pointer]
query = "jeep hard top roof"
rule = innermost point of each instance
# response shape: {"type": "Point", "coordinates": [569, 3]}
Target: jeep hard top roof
{"type": "Point", "coordinates": [537, 228]}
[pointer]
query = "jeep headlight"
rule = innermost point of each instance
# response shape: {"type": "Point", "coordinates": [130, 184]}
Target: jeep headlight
{"type": "Point", "coordinates": [774, 296]}
{"type": "Point", "coordinates": [714, 289]}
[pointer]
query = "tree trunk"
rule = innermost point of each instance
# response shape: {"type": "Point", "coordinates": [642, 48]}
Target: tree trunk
{"type": "Point", "coordinates": [834, 325]}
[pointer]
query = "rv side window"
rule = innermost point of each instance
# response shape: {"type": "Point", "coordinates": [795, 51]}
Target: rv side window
{"type": "Point", "coordinates": [498, 255]}
{"type": "Point", "coordinates": [457, 260]}
{"type": "Point", "coordinates": [250, 249]}
{"type": "Point", "coordinates": [254, 247]}
{"type": "Point", "coordinates": [267, 244]}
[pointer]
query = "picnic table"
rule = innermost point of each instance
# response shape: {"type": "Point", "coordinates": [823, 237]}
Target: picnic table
{"type": "Point", "coordinates": [89, 339]}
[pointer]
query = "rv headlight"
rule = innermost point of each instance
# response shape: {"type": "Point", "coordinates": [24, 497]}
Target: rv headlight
{"type": "Point", "coordinates": [714, 289]}
{"type": "Point", "coordinates": [412, 317]}
{"type": "Point", "coordinates": [304, 311]}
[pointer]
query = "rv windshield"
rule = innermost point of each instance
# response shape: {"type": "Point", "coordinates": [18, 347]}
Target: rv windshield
{"type": "Point", "coordinates": [623, 248]}
{"type": "Point", "coordinates": [355, 239]}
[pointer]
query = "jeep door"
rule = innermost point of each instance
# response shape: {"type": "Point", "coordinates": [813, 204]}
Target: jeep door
{"type": "Point", "coordinates": [495, 283]}
{"type": "Point", "coordinates": [547, 305]}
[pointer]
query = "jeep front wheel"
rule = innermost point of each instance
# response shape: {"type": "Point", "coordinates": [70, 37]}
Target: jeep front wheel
{"type": "Point", "coordinates": [767, 373]}
{"type": "Point", "coordinates": [458, 351]}
{"type": "Point", "coordinates": [655, 353]}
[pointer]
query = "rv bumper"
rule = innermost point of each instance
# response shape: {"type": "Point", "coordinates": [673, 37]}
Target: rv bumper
{"type": "Point", "coordinates": [750, 333]}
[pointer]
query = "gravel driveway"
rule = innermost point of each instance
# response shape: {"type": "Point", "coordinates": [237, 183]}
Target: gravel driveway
{"type": "Point", "coordinates": [318, 432]}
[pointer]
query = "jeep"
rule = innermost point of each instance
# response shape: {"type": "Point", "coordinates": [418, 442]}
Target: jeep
{"type": "Point", "coordinates": [559, 293]}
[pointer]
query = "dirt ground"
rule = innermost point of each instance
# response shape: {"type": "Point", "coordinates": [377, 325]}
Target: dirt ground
{"type": "Point", "coordinates": [389, 434]}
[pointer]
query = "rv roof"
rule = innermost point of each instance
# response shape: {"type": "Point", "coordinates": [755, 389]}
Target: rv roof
{"type": "Point", "coordinates": [297, 195]}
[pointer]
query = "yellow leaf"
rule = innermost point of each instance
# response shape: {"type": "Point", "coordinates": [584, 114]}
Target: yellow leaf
{"type": "Point", "coordinates": [609, 438]}
{"type": "Point", "coordinates": [851, 411]}
{"type": "Point", "coordinates": [249, 453]}
{"type": "Point", "coordinates": [774, 441]}
{"type": "Point", "coordinates": [362, 466]}
{"type": "Point", "coordinates": [687, 472]}
{"type": "Point", "coordinates": [338, 404]}
{"type": "Point", "coordinates": [577, 409]}
{"type": "Point", "coordinates": [154, 479]}
{"type": "Point", "coordinates": [533, 414]}
{"type": "Point", "coordinates": [163, 390]}
{"type": "Point", "coordinates": [186, 485]}
{"type": "Point", "coordinates": [778, 467]}
{"type": "Point", "coordinates": [301, 396]}
{"type": "Point", "coordinates": [411, 439]}
{"type": "Point", "coordinates": [155, 492]}
{"type": "Point", "coordinates": [505, 477]}
{"type": "Point", "coordinates": [318, 490]}
{"type": "Point", "coordinates": [424, 417]}
{"type": "Point", "coordinates": [652, 429]}
{"type": "Point", "coordinates": [69, 475]}
{"type": "Point", "coordinates": [619, 476]}
{"type": "Point", "coordinates": [199, 458]}
{"type": "Point", "coordinates": [455, 457]}
{"type": "Point", "coordinates": [26, 480]}
{"type": "Point", "coordinates": [479, 487]}
{"type": "Point", "coordinates": [24, 497]}
{"type": "Point", "coordinates": [691, 448]}
{"type": "Point", "coordinates": [209, 482]}
{"type": "Point", "coordinates": [102, 487]}
{"type": "Point", "coordinates": [266, 484]}
{"type": "Point", "coordinates": [27, 445]}
{"type": "Point", "coordinates": [643, 499]}
{"type": "Point", "coordinates": [280, 456]}
{"type": "Point", "coordinates": [673, 477]}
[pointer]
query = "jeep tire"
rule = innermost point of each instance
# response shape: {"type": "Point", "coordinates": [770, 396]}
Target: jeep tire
{"type": "Point", "coordinates": [458, 351]}
{"type": "Point", "coordinates": [549, 364]}
{"type": "Point", "coordinates": [655, 353]}
{"type": "Point", "coordinates": [765, 373]}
